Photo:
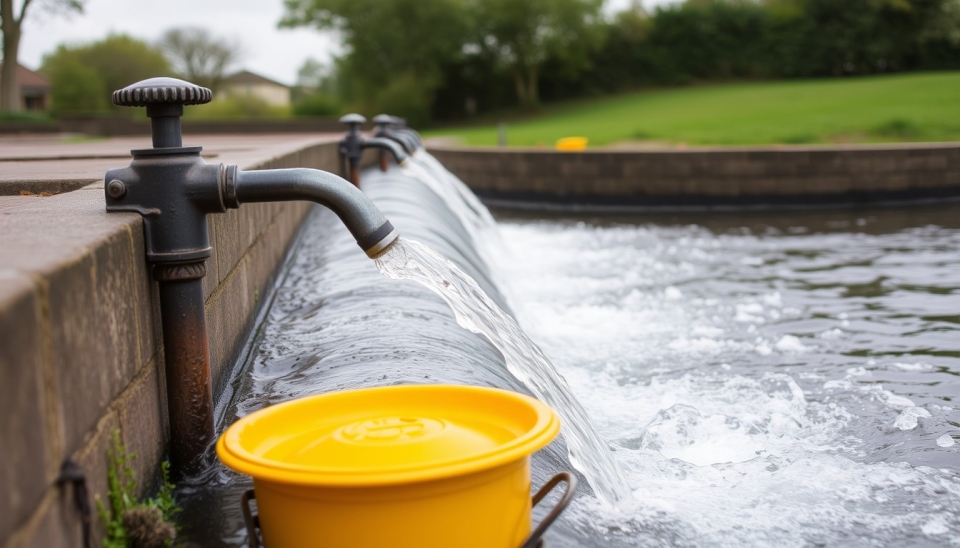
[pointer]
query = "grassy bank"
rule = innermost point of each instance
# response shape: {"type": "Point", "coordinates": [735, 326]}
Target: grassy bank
{"type": "Point", "coordinates": [904, 107]}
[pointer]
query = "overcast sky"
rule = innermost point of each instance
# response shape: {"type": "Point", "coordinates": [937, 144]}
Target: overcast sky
{"type": "Point", "coordinates": [269, 51]}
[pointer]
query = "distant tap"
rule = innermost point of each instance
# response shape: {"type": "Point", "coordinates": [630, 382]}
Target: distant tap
{"type": "Point", "coordinates": [353, 144]}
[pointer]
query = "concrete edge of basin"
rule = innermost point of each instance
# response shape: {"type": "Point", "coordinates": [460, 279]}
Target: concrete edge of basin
{"type": "Point", "coordinates": [707, 178]}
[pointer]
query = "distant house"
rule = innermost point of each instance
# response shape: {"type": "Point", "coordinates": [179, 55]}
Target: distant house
{"type": "Point", "coordinates": [34, 89]}
{"type": "Point", "coordinates": [246, 82]}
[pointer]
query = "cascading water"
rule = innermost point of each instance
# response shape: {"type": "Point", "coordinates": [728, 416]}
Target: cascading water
{"type": "Point", "coordinates": [475, 217]}
{"type": "Point", "coordinates": [468, 209]}
{"type": "Point", "coordinates": [484, 218]}
{"type": "Point", "coordinates": [476, 312]}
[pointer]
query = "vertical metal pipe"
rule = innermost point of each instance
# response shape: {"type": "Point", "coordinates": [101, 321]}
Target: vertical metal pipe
{"type": "Point", "coordinates": [166, 132]}
{"type": "Point", "coordinates": [383, 160]}
{"type": "Point", "coordinates": [165, 124]}
{"type": "Point", "coordinates": [355, 173]}
{"type": "Point", "coordinates": [187, 356]}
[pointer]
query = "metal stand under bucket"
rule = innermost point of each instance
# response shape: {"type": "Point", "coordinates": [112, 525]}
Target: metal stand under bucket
{"type": "Point", "coordinates": [535, 540]}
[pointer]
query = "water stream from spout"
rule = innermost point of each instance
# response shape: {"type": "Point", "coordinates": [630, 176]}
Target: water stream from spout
{"type": "Point", "coordinates": [476, 312]}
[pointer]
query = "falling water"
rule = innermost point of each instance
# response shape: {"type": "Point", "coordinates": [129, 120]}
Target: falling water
{"type": "Point", "coordinates": [483, 217]}
{"type": "Point", "coordinates": [476, 312]}
{"type": "Point", "coordinates": [475, 218]}
{"type": "Point", "coordinates": [472, 214]}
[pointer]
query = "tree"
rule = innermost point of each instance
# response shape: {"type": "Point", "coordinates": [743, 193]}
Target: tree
{"type": "Point", "coordinates": [311, 74]}
{"type": "Point", "coordinates": [315, 91]}
{"type": "Point", "coordinates": [316, 77]}
{"type": "Point", "coordinates": [825, 37]}
{"type": "Point", "coordinates": [944, 24]}
{"type": "Point", "coordinates": [11, 24]}
{"type": "Point", "coordinates": [198, 56]}
{"type": "Point", "coordinates": [524, 34]}
{"type": "Point", "coordinates": [75, 87]}
{"type": "Point", "coordinates": [82, 77]}
{"type": "Point", "coordinates": [396, 51]}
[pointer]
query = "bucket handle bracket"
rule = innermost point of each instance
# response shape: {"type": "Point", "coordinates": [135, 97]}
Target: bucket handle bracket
{"type": "Point", "coordinates": [535, 540]}
{"type": "Point", "coordinates": [251, 520]}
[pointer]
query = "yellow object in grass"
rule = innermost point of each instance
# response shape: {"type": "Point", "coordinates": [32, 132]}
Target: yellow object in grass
{"type": "Point", "coordinates": [572, 144]}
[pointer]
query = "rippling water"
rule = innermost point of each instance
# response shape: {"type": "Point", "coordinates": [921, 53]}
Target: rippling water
{"type": "Point", "coordinates": [765, 378]}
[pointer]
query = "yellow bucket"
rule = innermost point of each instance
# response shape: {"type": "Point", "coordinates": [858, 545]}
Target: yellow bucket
{"type": "Point", "coordinates": [418, 466]}
{"type": "Point", "coordinates": [572, 144]}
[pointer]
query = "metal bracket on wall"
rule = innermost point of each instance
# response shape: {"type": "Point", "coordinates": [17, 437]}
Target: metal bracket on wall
{"type": "Point", "coordinates": [70, 472]}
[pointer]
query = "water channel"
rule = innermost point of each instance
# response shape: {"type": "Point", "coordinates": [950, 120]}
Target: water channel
{"type": "Point", "coordinates": [760, 378]}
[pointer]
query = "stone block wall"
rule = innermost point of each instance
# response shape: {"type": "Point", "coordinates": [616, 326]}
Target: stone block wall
{"type": "Point", "coordinates": [707, 177]}
{"type": "Point", "coordinates": [80, 348]}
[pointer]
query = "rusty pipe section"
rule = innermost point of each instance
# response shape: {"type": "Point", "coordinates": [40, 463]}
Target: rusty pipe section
{"type": "Point", "coordinates": [372, 231]}
{"type": "Point", "coordinates": [187, 360]}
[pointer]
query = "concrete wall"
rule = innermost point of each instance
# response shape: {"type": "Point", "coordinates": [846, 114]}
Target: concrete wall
{"type": "Point", "coordinates": [707, 177]}
{"type": "Point", "coordinates": [80, 347]}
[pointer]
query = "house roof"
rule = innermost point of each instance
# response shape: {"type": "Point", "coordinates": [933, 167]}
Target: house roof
{"type": "Point", "coordinates": [30, 79]}
{"type": "Point", "coordinates": [245, 77]}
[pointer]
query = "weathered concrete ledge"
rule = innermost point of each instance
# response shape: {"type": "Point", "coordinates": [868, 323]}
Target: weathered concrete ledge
{"type": "Point", "coordinates": [128, 124]}
{"type": "Point", "coordinates": [80, 349]}
{"type": "Point", "coordinates": [704, 178]}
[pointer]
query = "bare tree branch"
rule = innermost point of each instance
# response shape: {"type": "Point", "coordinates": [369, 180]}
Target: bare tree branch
{"type": "Point", "coordinates": [199, 56]}
{"type": "Point", "coordinates": [23, 11]}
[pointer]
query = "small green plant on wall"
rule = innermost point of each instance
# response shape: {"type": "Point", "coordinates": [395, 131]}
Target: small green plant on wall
{"type": "Point", "coordinates": [131, 523]}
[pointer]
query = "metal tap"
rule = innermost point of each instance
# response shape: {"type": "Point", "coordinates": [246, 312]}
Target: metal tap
{"type": "Point", "coordinates": [174, 190]}
{"type": "Point", "coordinates": [399, 125]}
{"type": "Point", "coordinates": [386, 130]}
{"type": "Point", "coordinates": [353, 144]}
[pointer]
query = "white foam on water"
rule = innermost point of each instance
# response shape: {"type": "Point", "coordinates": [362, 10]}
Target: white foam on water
{"type": "Point", "coordinates": [832, 334]}
{"type": "Point", "coordinates": [730, 431]}
{"type": "Point", "coordinates": [918, 366]}
{"type": "Point", "coordinates": [790, 343]}
{"type": "Point", "coordinates": [945, 441]}
{"type": "Point", "coordinates": [909, 418]}
{"type": "Point", "coordinates": [672, 293]}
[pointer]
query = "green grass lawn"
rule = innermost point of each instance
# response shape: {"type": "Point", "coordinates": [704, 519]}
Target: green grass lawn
{"type": "Point", "coordinates": [905, 107]}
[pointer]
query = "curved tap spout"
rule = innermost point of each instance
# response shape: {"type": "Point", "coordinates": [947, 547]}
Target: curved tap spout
{"type": "Point", "coordinates": [373, 232]}
{"type": "Point", "coordinates": [400, 126]}
{"type": "Point", "coordinates": [410, 136]}
{"type": "Point", "coordinates": [408, 142]}
{"type": "Point", "coordinates": [399, 154]}
{"type": "Point", "coordinates": [385, 130]}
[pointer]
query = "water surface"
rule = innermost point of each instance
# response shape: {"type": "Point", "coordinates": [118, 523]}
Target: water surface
{"type": "Point", "coordinates": [765, 379]}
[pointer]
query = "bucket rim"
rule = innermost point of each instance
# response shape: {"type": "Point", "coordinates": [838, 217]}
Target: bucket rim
{"type": "Point", "coordinates": [235, 456]}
